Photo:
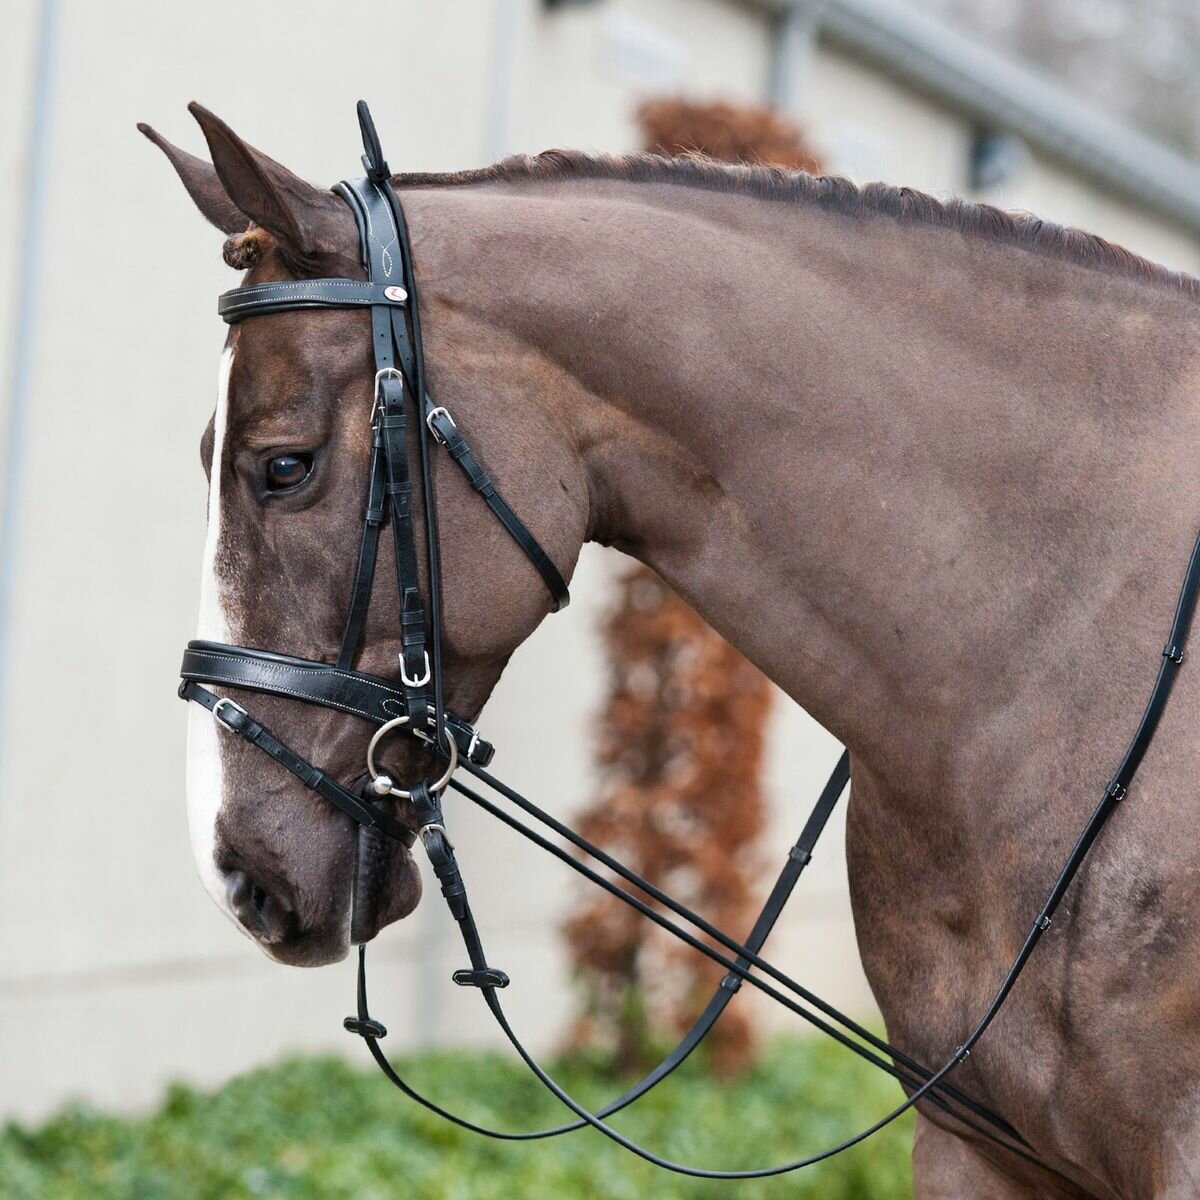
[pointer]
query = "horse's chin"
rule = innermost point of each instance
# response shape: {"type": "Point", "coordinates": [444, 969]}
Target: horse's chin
{"type": "Point", "coordinates": [307, 954]}
{"type": "Point", "coordinates": [382, 886]}
{"type": "Point", "coordinates": [387, 885]}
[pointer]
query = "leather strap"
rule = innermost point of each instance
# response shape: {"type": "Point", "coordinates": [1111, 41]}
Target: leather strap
{"type": "Point", "coordinates": [383, 259]}
{"type": "Point", "coordinates": [373, 161]}
{"type": "Point", "coordinates": [1172, 660]}
{"type": "Point", "coordinates": [367, 696]}
{"type": "Point", "coordinates": [948, 1098]}
{"type": "Point", "coordinates": [414, 653]}
{"type": "Point", "coordinates": [747, 954]}
{"type": "Point", "coordinates": [368, 553]}
{"type": "Point", "coordinates": [235, 718]}
{"type": "Point", "coordinates": [261, 299]}
{"type": "Point", "coordinates": [1160, 693]}
{"type": "Point", "coordinates": [395, 363]}
{"type": "Point", "coordinates": [419, 390]}
{"type": "Point", "coordinates": [446, 432]}
{"type": "Point", "coordinates": [461, 910]}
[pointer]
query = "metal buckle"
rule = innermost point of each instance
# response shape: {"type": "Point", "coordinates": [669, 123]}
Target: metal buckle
{"type": "Point", "coordinates": [380, 374]}
{"type": "Point", "coordinates": [472, 745]}
{"type": "Point", "coordinates": [220, 704]}
{"type": "Point", "coordinates": [415, 682]}
{"type": "Point", "coordinates": [436, 827]}
{"type": "Point", "coordinates": [433, 412]}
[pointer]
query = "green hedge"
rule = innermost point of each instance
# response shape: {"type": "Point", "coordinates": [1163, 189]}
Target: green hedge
{"type": "Point", "coordinates": [319, 1128]}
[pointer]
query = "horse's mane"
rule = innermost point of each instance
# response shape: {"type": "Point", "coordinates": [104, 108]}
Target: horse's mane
{"type": "Point", "coordinates": [829, 192]}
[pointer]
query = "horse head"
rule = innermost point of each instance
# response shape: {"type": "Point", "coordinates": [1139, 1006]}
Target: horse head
{"type": "Point", "coordinates": [288, 453]}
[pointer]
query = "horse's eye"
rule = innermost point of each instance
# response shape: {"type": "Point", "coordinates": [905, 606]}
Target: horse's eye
{"type": "Point", "coordinates": [287, 471]}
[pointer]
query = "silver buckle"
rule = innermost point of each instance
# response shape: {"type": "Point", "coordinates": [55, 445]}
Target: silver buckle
{"type": "Point", "coordinates": [435, 827]}
{"type": "Point", "coordinates": [472, 745]}
{"type": "Point", "coordinates": [220, 704]}
{"type": "Point", "coordinates": [433, 412]}
{"type": "Point", "coordinates": [415, 682]}
{"type": "Point", "coordinates": [380, 374]}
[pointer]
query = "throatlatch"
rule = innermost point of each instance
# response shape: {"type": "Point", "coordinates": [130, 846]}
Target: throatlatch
{"type": "Point", "coordinates": [402, 413]}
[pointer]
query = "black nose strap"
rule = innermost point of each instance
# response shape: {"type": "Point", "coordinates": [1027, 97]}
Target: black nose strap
{"type": "Point", "coordinates": [367, 696]}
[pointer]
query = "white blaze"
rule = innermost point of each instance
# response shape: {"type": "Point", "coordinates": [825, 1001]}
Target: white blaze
{"type": "Point", "coordinates": [204, 780]}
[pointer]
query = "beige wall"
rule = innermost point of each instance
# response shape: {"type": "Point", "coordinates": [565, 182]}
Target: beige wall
{"type": "Point", "coordinates": [106, 938]}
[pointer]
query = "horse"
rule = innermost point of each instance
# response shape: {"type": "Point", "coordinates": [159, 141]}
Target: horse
{"type": "Point", "coordinates": [925, 463]}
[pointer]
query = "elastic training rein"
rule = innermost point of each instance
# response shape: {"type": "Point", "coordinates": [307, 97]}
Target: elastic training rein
{"type": "Point", "coordinates": [415, 703]}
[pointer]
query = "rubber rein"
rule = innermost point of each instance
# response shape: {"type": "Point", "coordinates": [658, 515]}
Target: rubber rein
{"type": "Point", "coordinates": [404, 413]}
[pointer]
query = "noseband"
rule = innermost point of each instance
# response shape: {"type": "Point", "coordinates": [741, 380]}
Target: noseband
{"type": "Point", "coordinates": [414, 703]}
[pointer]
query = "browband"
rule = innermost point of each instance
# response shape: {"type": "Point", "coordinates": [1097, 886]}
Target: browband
{"type": "Point", "coordinates": [259, 299]}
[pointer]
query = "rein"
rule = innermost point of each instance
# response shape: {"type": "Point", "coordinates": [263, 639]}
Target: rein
{"type": "Point", "coordinates": [402, 408]}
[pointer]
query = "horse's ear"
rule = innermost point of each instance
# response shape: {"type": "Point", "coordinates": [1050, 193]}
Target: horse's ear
{"type": "Point", "coordinates": [200, 179]}
{"type": "Point", "coordinates": [292, 211]}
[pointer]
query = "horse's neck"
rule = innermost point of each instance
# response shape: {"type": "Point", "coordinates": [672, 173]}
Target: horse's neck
{"type": "Point", "coordinates": [943, 492]}
{"type": "Point", "coordinates": [913, 475]}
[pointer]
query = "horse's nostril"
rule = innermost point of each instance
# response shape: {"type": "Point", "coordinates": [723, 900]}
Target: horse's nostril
{"type": "Point", "coordinates": [237, 888]}
{"type": "Point", "coordinates": [263, 914]}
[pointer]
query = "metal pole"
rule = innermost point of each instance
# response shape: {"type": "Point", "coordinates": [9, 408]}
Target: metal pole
{"type": "Point", "coordinates": [27, 281]}
{"type": "Point", "coordinates": [502, 51]}
{"type": "Point", "coordinates": [792, 49]}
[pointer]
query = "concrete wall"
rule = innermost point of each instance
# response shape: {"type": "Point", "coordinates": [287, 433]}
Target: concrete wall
{"type": "Point", "coordinates": [106, 938]}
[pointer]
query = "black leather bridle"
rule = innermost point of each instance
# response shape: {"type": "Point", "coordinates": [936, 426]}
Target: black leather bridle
{"type": "Point", "coordinates": [402, 406]}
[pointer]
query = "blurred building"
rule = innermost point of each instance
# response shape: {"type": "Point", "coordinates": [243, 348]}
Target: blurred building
{"type": "Point", "coordinates": [116, 973]}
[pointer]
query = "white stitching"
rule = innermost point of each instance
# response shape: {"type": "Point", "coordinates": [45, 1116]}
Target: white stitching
{"type": "Point", "coordinates": [305, 283]}
{"type": "Point", "coordinates": [387, 258]}
{"type": "Point", "coordinates": [393, 698]}
{"type": "Point", "coordinates": [346, 708]}
{"type": "Point", "coordinates": [383, 687]}
{"type": "Point", "coordinates": [358, 712]}
{"type": "Point", "coordinates": [270, 298]}
{"type": "Point", "coordinates": [255, 301]}
{"type": "Point", "coordinates": [241, 299]}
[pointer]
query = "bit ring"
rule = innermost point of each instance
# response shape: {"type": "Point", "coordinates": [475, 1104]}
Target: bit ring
{"type": "Point", "coordinates": [400, 793]}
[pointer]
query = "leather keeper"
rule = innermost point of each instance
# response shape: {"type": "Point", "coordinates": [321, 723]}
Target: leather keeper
{"type": "Point", "coordinates": [487, 977]}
